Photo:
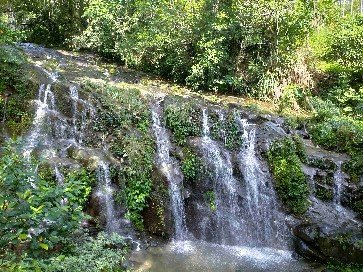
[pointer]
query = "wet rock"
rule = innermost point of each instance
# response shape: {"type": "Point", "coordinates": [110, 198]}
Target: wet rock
{"type": "Point", "coordinates": [332, 232]}
{"type": "Point", "coordinates": [307, 251]}
{"type": "Point", "coordinates": [322, 242]}
{"type": "Point", "coordinates": [267, 133]}
{"type": "Point", "coordinates": [157, 215]}
{"type": "Point", "coordinates": [323, 158]}
{"type": "Point", "coordinates": [307, 232]}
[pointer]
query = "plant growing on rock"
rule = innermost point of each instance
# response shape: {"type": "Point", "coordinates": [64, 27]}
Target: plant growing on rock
{"type": "Point", "coordinates": [290, 183]}
{"type": "Point", "coordinates": [36, 214]}
{"type": "Point", "coordinates": [183, 121]}
{"type": "Point", "coordinates": [191, 165]}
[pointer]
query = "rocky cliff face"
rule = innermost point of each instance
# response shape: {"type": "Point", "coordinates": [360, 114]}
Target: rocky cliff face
{"type": "Point", "coordinates": [180, 165]}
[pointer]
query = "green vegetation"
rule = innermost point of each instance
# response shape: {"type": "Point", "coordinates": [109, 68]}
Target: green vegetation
{"type": "Point", "coordinates": [226, 130]}
{"type": "Point", "coordinates": [137, 175]}
{"type": "Point", "coordinates": [304, 57]}
{"type": "Point", "coordinates": [102, 253]}
{"type": "Point", "coordinates": [125, 119]}
{"type": "Point", "coordinates": [339, 267]}
{"type": "Point", "coordinates": [183, 120]}
{"type": "Point", "coordinates": [191, 165]}
{"type": "Point", "coordinates": [31, 217]}
{"type": "Point", "coordinates": [211, 199]}
{"type": "Point", "coordinates": [47, 22]}
{"type": "Point", "coordinates": [290, 184]}
{"type": "Point", "coordinates": [14, 90]}
{"type": "Point", "coordinates": [40, 221]}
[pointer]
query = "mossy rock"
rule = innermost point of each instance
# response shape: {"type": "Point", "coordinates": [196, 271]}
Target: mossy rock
{"type": "Point", "coordinates": [321, 163]}
{"type": "Point", "coordinates": [324, 192]}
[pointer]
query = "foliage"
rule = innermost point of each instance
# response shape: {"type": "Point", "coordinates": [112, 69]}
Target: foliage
{"type": "Point", "coordinates": [224, 46]}
{"type": "Point", "coordinates": [211, 198]}
{"type": "Point", "coordinates": [191, 165]}
{"type": "Point", "coordinates": [290, 183]}
{"type": "Point", "coordinates": [299, 148]}
{"type": "Point", "coordinates": [7, 35]}
{"type": "Point", "coordinates": [137, 173]}
{"type": "Point", "coordinates": [225, 129]}
{"type": "Point", "coordinates": [125, 119]}
{"type": "Point", "coordinates": [13, 89]}
{"type": "Point", "coordinates": [344, 42]}
{"type": "Point", "coordinates": [36, 215]}
{"type": "Point", "coordinates": [52, 23]}
{"type": "Point", "coordinates": [102, 253]}
{"type": "Point", "coordinates": [183, 120]}
{"type": "Point", "coordinates": [339, 267]}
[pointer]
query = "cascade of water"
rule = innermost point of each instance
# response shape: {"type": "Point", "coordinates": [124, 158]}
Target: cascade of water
{"type": "Point", "coordinates": [87, 113]}
{"type": "Point", "coordinates": [226, 196]}
{"type": "Point", "coordinates": [261, 203]}
{"type": "Point", "coordinates": [172, 172]}
{"type": "Point", "coordinates": [38, 132]}
{"type": "Point", "coordinates": [105, 194]}
{"type": "Point", "coordinates": [246, 212]}
{"type": "Point", "coordinates": [58, 175]}
{"type": "Point", "coordinates": [337, 188]}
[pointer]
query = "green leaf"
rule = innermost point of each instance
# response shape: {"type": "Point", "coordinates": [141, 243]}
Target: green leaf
{"type": "Point", "coordinates": [37, 210]}
{"type": "Point", "coordinates": [23, 236]}
{"type": "Point", "coordinates": [43, 246]}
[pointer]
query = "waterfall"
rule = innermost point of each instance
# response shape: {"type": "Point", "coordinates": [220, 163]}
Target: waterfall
{"type": "Point", "coordinates": [105, 194]}
{"type": "Point", "coordinates": [40, 129]}
{"type": "Point", "coordinates": [228, 213]}
{"type": "Point", "coordinates": [80, 119]}
{"type": "Point", "coordinates": [51, 129]}
{"type": "Point", "coordinates": [261, 214]}
{"type": "Point", "coordinates": [170, 168]}
{"type": "Point", "coordinates": [246, 206]}
{"type": "Point", "coordinates": [337, 186]}
{"type": "Point", "coordinates": [58, 175]}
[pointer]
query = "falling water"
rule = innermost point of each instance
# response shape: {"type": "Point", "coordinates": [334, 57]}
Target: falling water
{"type": "Point", "coordinates": [337, 187]}
{"type": "Point", "coordinates": [58, 175]}
{"type": "Point", "coordinates": [105, 194]}
{"type": "Point", "coordinates": [40, 129]}
{"type": "Point", "coordinates": [225, 188]}
{"type": "Point", "coordinates": [246, 206]}
{"type": "Point", "coordinates": [169, 167]}
{"type": "Point", "coordinates": [261, 214]}
{"type": "Point", "coordinates": [52, 129]}
{"type": "Point", "coordinates": [80, 119]}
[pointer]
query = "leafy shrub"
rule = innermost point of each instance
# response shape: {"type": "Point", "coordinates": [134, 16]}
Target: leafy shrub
{"type": "Point", "coordinates": [227, 131]}
{"type": "Point", "coordinates": [36, 215]}
{"type": "Point", "coordinates": [344, 43]}
{"type": "Point", "coordinates": [14, 89]}
{"type": "Point", "coordinates": [102, 253]}
{"type": "Point", "coordinates": [137, 175]}
{"type": "Point", "coordinates": [126, 117]}
{"type": "Point", "coordinates": [183, 121]}
{"type": "Point", "coordinates": [7, 35]}
{"type": "Point", "coordinates": [191, 165]}
{"type": "Point", "coordinates": [290, 183]}
{"type": "Point", "coordinates": [323, 109]}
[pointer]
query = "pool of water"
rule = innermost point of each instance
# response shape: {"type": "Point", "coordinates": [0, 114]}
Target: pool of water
{"type": "Point", "coordinates": [201, 256]}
